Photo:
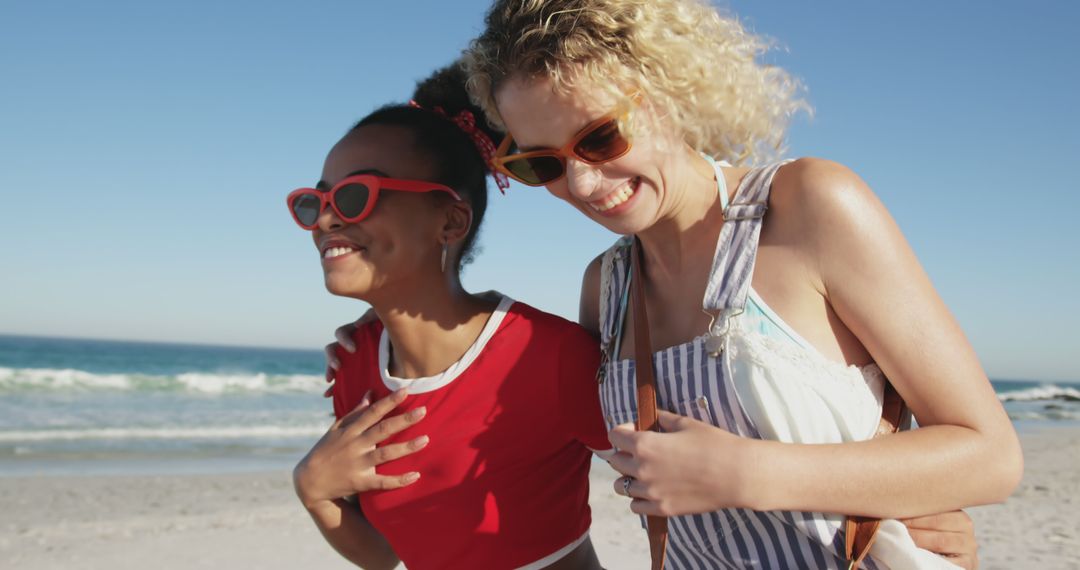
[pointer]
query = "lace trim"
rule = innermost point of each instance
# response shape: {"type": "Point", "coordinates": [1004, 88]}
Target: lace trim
{"type": "Point", "coordinates": [762, 350]}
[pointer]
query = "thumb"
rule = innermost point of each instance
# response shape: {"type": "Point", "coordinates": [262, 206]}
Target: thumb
{"type": "Point", "coordinates": [670, 422]}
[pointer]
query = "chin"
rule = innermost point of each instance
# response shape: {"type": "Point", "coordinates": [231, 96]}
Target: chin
{"type": "Point", "coordinates": [626, 224]}
{"type": "Point", "coordinates": [634, 219]}
{"type": "Point", "coordinates": [342, 286]}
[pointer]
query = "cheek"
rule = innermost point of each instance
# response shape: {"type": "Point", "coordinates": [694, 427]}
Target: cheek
{"type": "Point", "coordinates": [559, 189]}
{"type": "Point", "coordinates": [403, 252]}
{"type": "Point", "coordinates": [640, 160]}
{"type": "Point", "coordinates": [404, 243]}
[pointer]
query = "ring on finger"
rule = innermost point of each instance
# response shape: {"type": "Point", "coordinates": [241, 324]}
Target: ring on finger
{"type": "Point", "coordinates": [626, 484]}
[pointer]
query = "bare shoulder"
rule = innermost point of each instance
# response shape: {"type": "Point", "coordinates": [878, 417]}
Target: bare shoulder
{"type": "Point", "coordinates": [830, 212]}
{"type": "Point", "coordinates": [815, 190]}
{"type": "Point", "coordinates": [589, 307]}
{"type": "Point", "coordinates": [823, 204]}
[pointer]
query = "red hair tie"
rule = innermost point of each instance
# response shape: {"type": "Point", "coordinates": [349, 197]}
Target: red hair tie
{"type": "Point", "coordinates": [466, 121]}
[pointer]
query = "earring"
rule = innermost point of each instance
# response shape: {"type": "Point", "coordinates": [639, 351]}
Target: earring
{"type": "Point", "coordinates": [445, 249]}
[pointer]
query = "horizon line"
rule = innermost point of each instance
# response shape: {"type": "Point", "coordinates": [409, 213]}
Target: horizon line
{"type": "Point", "coordinates": [159, 342]}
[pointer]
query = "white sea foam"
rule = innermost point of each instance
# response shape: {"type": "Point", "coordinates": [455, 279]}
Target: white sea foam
{"type": "Point", "coordinates": [60, 379]}
{"type": "Point", "coordinates": [1055, 415]}
{"type": "Point", "coordinates": [172, 433]}
{"type": "Point", "coordinates": [1044, 392]}
{"type": "Point", "coordinates": [56, 380]}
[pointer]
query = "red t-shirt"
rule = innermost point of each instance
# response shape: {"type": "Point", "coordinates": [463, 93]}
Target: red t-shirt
{"type": "Point", "coordinates": [504, 480]}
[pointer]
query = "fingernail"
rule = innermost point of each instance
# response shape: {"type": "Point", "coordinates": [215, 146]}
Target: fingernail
{"type": "Point", "coordinates": [410, 477]}
{"type": "Point", "coordinates": [420, 442]}
{"type": "Point", "coordinates": [401, 392]}
{"type": "Point", "coordinates": [417, 413]}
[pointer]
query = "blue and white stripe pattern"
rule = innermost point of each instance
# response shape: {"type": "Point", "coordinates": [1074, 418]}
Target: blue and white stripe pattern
{"type": "Point", "coordinates": [692, 381]}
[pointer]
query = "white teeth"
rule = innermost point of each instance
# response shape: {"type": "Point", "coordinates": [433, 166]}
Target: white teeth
{"type": "Point", "coordinates": [336, 251]}
{"type": "Point", "coordinates": [616, 198]}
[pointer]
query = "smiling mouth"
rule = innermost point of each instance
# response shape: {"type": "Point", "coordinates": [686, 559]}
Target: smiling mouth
{"type": "Point", "coordinates": [337, 251]}
{"type": "Point", "coordinates": [618, 197]}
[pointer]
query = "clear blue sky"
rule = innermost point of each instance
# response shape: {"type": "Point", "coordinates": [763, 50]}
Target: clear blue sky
{"type": "Point", "coordinates": [146, 149]}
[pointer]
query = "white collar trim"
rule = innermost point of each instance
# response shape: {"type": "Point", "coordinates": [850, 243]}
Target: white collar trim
{"type": "Point", "coordinates": [432, 383]}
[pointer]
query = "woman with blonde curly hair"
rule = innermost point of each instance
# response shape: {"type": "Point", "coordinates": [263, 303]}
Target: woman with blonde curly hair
{"type": "Point", "coordinates": [778, 337]}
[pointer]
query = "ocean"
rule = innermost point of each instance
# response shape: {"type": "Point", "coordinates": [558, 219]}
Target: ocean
{"type": "Point", "coordinates": [77, 406]}
{"type": "Point", "coordinates": [72, 406]}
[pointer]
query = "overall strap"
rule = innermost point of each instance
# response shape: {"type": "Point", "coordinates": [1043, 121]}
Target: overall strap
{"type": "Point", "coordinates": [614, 297]}
{"type": "Point", "coordinates": [736, 251]}
{"type": "Point", "coordinates": [614, 272]}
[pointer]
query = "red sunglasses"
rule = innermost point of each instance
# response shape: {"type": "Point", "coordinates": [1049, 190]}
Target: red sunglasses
{"type": "Point", "coordinates": [353, 198]}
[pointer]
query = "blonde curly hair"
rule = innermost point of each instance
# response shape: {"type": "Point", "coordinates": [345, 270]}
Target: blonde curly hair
{"type": "Point", "coordinates": [696, 66]}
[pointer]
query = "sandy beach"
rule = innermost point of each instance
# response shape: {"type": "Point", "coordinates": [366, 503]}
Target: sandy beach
{"type": "Point", "coordinates": [254, 521]}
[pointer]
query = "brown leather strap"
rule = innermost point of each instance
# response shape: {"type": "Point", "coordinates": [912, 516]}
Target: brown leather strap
{"type": "Point", "coordinates": [859, 532]}
{"type": "Point", "coordinates": [646, 390]}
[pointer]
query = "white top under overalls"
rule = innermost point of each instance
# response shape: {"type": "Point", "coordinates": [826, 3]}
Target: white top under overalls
{"type": "Point", "coordinates": [754, 376]}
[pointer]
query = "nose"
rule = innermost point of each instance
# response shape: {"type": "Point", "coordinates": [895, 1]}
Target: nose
{"type": "Point", "coordinates": [582, 180]}
{"type": "Point", "coordinates": [328, 219]}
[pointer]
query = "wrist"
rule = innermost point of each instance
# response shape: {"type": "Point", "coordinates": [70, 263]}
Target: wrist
{"type": "Point", "coordinates": [751, 485]}
{"type": "Point", "coordinates": [761, 478]}
{"type": "Point", "coordinates": [302, 487]}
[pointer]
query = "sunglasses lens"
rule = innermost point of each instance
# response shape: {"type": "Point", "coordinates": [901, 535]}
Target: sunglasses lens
{"type": "Point", "coordinates": [351, 200]}
{"type": "Point", "coordinates": [535, 169]}
{"type": "Point", "coordinates": [306, 208]}
{"type": "Point", "coordinates": [603, 143]}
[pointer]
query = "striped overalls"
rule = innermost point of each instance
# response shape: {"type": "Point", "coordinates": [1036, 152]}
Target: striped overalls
{"type": "Point", "coordinates": [694, 382]}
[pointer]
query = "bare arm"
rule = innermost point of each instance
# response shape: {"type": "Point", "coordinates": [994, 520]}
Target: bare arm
{"type": "Point", "coordinates": [871, 278]}
{"type": "Point", "coordinates": [877, 287]}
{"type": "Point", "coordinates": [342, 464]}
{"type": "Point", "coordinates": [343, 525]}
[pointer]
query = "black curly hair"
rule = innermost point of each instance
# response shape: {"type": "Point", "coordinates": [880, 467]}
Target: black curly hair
{"type": "Point", "coordinates": [458, 161]}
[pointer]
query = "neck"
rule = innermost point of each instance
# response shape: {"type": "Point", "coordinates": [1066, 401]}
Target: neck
{"type": "Point", "coordinates": [689, 226]}
{"type": "Point", "coordinates": [430, 329]}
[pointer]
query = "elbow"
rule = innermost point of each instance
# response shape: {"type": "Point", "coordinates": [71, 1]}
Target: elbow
{"type": "Point", "coordinates": [298, 481]}
{"type": "Point", "coordinates": [1007, 459]}
{"type": "Point", "coordinates": [1014, 474]}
